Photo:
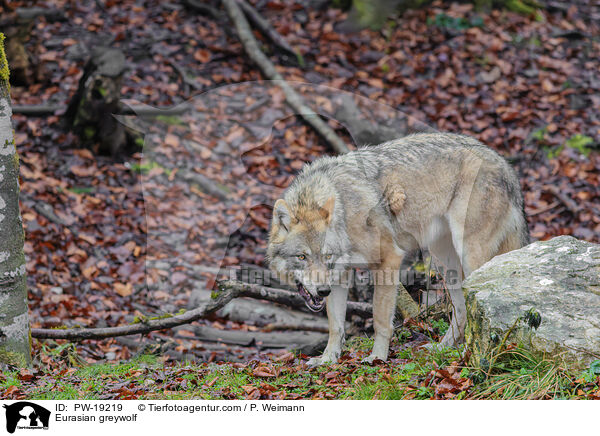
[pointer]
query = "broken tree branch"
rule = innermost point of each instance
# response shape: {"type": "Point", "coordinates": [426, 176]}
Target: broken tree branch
{"type": "Point", "coordinates": [143, 327]}
{"type": "Point", "coordinates": [293, 99]}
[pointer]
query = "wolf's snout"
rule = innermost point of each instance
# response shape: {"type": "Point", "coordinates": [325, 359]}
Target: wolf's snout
{"type": "Point", "coordinates": [323, 291]}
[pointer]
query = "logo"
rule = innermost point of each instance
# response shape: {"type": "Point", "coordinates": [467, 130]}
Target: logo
{"type": "Point", "coordinates": [26, 415]}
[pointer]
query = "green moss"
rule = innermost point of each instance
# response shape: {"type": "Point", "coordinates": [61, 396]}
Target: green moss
{"type": "Point", "coordinates": [4, 71]}
{"type": "Point", "coordinates": [13, 358]}
{"type": "Point", "coordinates": [520, 7]}
{"type": "Point", "coordinates": [89, 132]}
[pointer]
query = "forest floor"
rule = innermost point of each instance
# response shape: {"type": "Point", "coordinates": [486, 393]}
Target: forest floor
{"type": "Point", "coordinates": [526, 86]}
{"type": "Point", "coordinates": [412, 372]}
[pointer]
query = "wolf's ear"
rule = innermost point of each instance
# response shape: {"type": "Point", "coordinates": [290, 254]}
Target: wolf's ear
{"type": "Point", "coordinates": [327, 210]}
{"type": "Point", "coordinates": [281, 215]}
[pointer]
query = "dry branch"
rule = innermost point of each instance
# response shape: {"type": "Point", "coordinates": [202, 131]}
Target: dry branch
{"type": "Point", "coordinates": [289, 298]}
{"type": "Point", "coordinates": [207, 185]}
{"type": "Point", "coordinates": [265, 28]}
{"type": "Point", "coordinates": [229, 289]}
{"type": "Point", "coordinates": [143, 327]}
{"type": "Point", "coordinates": [293, 99]}
{"type": "Point", "coordinates": [569, 203]}
{"type": "Point", "coordinates": [42, 110]}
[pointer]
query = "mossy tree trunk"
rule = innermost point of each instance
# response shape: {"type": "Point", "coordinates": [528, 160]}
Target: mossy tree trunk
{"type": "Point", "coordinates": [15, 342]}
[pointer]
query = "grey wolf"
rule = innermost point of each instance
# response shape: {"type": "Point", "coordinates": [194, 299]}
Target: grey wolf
{"type": "Point", "coordinates": [445, 192]}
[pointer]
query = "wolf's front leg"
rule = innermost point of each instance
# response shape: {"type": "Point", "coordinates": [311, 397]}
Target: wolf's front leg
{"type": "Point", "coordinates": [336, 314]}
{"type": "Point", "coordinates": [384, 307]}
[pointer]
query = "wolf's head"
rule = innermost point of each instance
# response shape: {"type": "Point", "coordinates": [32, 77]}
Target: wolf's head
{"type": "Point", "coordinates": [305, 246]}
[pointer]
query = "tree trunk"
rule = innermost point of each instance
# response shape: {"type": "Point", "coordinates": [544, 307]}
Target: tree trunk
{"type": "Point", "coordinates": [15, 342]}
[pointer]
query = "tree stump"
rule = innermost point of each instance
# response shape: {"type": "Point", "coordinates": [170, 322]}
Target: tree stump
{"type": "Point", "coordinates": [90, 111]}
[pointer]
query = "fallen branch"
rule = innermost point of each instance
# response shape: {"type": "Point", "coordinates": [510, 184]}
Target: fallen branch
{"type": "Point", "coordinates": [30, 14]}
{"type": "Point", "coordinates": [289, 298]}
{"type": "Point", "coordinates": [288, 339]}
{"type": "Point", "coordinates": [43, 110]}
{"type": "Point", "coordinates": [206, 185]}
{"type": "Point", "coordinates": [143, 327]}
{"type": "Point", "coordinates": [301, 327]}
{"type": "Point", "coordinates": [265, 28]}
{"type": "Point", "coordinates": [569, 203]}
{"type": "Point", "coordinates": [293, 99]}
{"type": "Point", "coordinates": [187, 81]}
{"type": "Point", "coordinates": [543, 209]}
{"type": "Point", "coordinates": [406, 307]}
{"type": "Point", "coordinates": [228, 290]}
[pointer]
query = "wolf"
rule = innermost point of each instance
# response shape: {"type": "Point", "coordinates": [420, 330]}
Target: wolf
{"type": "Point", "coordinates": [445, 192]}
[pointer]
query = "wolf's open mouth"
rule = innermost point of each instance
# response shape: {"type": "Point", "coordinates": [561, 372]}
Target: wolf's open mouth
{"type": "Point", "coordinates": [316, 304]}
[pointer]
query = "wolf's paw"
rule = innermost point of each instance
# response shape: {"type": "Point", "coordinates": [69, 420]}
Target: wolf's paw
{"type": "Point", "coordinates": [325, 359]}
{"type": "Point", "coordinates": [372, 358]}
{"type": "Point", "coordinates": [314, 362]}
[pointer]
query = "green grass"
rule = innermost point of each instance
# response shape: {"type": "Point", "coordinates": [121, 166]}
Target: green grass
{"type": "Point", "coordinates": [581, 143]}
{"type": "Point", "coordinates": [412, 373]}
{"type": "Point", "coordinates": [519, 375]}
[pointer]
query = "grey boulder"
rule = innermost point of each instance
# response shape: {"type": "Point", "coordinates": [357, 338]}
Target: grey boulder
{"type": "Point", "coordinates": [560, 279]}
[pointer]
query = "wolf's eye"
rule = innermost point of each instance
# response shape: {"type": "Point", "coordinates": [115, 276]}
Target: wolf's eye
{"type": "Point", "coordinates": [301, 257]}
{"type": "Point", "coordinates": [328, 256]}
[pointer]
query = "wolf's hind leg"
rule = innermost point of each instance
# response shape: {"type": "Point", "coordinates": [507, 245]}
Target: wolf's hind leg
{"type": "Point", "coordinates": [444, 252]}
{"type": "Point", "coordinates": [336, 315]}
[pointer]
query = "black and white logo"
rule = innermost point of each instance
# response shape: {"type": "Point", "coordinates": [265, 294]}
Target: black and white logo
{"type": "Point", "coordinates": [26, 415]}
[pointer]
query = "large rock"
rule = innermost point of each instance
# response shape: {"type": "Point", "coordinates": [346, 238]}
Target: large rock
{"type": "Point", "coordinates": [560, 279]}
